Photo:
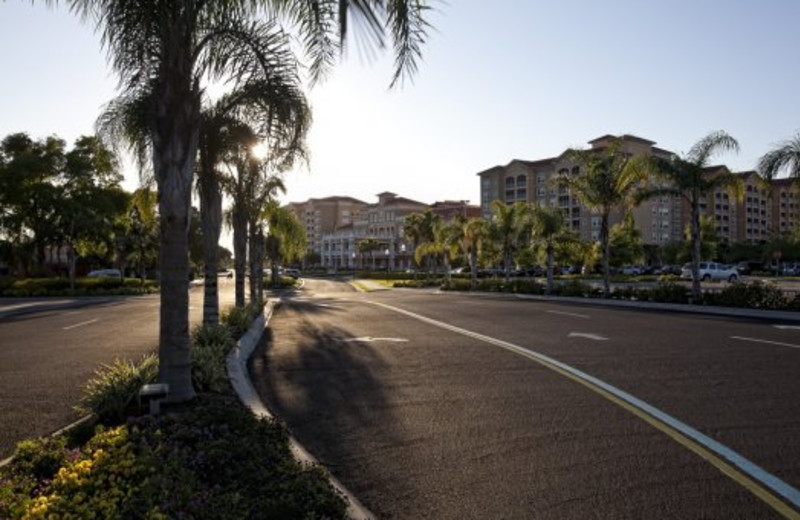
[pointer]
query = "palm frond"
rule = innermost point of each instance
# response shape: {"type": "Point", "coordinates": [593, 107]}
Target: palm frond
{"type": "Point", "coordinates": [707, 147]}
{"type": "Point", "coordinates": [785, 157]}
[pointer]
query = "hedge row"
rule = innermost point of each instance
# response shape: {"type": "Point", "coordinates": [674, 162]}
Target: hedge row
{"type": "Point", "coordinates": [28, 287]}
{"type": "Point", "coordinates": [755, 295]}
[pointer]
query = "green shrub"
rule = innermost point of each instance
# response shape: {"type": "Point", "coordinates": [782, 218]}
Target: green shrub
{"type": "Point", "coordinates": [756, 295]}
{"type": "Point", "coordinates": [575, 288]}
{"type": "Point", "coordinates": [669, 293]}
{"type": "Point", "coordinates": [34, 287]}
{"type": "Point", "coordinates": [418, 284]}
{"type": "Point", "coordinates": [112, 392]}
{"type": "Point", "coordinates": [210, 345]}
{"type": "Point", "coordinates": [211, 461]}
{"type": "Point", "coordinates": [669, 278]}
{"type": "Point", "coordinates": [238, 320]}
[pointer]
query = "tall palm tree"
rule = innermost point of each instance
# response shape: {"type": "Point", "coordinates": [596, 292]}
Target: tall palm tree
{"type": "Point", "coordinates": [167, 48]}
{"type": "Point", "coordinates": [508, 226]}
{"type": "Point", "coordinates": [689, 177]}
{"type": "Point", "coordinates": [785, 157]}
{"type": "Point", "coordinates": [418, 228]}
{"type": "Point", "coordinates": [443, 245]}
{"type": "Point", "coordinates": [548, 224]}
{"type": "Point", "coordinates": [607, 182]}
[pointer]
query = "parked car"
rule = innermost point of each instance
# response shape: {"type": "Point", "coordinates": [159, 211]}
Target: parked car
{"type": "Point", "coordinates": [711, 271]}
{"type": "Point", "coordinates": [632, 270]}
{"type": "Point", "coordinates": [745, 267]}
{"type": "Point", "coordinates": [791, 269]}
{"type": "Point", "coordinates": [104, 273]}
{"type": "Point", "coordinates": [668, 269]}
{"type": "Point", "coordinates": [294, 273]}
{"type": "Point", "coordinates": [225, 273]}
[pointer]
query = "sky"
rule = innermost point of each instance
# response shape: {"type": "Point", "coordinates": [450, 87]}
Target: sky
{"type": "Point", "coordinates": [500, 80]}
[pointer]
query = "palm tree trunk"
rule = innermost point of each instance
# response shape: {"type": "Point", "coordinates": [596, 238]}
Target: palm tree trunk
{"type": "Point", "coordinates": [175, 138]}
{"type": "Point", "coordinates": [254, 267]}
{"type": "Point", "coordinates": [239, 251]}
{"type": "Point", "coordinates": [550, 255]}
{"type": "Point", "coordinates": [606, 246]}
{"type": "Point", "coordinates": [697, 291]}
{"type": "Point", "coordinates": [211, 223]}
{"type": "Point", "coordinates": [473, 269]}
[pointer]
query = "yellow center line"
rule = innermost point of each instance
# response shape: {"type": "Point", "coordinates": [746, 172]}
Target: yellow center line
{"type": "Point", "coordinates": [756, 487]}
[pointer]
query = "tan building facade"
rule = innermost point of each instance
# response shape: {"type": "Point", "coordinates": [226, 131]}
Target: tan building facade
{"type": "Point", "coordinates": [785, 206]}
{"type": "Point", "coordinates": [321, 216]}
{"type": "Point", "coordinates": [383, 222]}
{"type": "Point", "coordinates": [532, 182]}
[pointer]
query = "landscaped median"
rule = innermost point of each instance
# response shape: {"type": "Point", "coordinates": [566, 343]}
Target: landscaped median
{"type": "Point", "coordinates": [38, 287]}
{"type": "Point", "coordinates": [212, 459]}
{"type": "Point", "coordinates": [752, 295]}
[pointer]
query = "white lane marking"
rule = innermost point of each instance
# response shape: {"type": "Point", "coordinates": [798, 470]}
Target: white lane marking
{"type": "Point", "coordinates": [326, 305]}
{"type": "Point", "coordinates": [751, 469]}
{"type": "Point", "coordinates": [768, 342]}
{"type": "Point", "coordinates": [573, 314]}
{"type": "Point", "coordinates": [81, 324]}
{"type": "Point", "coordinates": [790, 327]}
{"type": "Point", "coordinates": [370, 339]}
{"type": "Point", "coordinates": [586, 335]}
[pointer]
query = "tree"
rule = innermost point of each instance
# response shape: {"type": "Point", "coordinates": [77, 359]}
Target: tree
{"type": "Point", "coordinates": [443, 246]}
{"type": "Point", "coordinates": [470, 236]}
{"type": "Point", "coordinates": [368, 245]}
{"type": "Point", "coordinates": [286, 241]}
{"type": "Point", "coordinates": [606, 182]}
{"type": "Point", "coordinates": [418, 229]}
{"type": "Point", "coordinates": [547, 226]}
{"type": "Point", "coordinates": [166, 49]}
{"type": "Point", "coordinates": [508, 228]}
{"type": "Point", "coordinates": [785, 157]}
{"type": "Point", "coordinates": [626, 243]}
{"type": "Point", "coordinates": [690, 178]}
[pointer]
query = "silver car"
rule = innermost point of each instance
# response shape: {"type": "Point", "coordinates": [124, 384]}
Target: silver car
{"type": "Point", "coordinates": [711, 271]}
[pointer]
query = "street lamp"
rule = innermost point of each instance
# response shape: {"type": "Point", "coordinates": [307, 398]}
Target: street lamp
{"type": "Point", "coordinates": [386, 252]}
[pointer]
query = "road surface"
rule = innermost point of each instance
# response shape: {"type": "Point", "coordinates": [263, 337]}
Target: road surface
{"type": "Point", "coordinates": [430, 405]}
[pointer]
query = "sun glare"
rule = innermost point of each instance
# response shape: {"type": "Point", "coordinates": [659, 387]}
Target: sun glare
{"type": "Point", "coordinates": [259, 151]}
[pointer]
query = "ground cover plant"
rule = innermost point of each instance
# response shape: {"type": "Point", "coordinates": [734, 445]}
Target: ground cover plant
{"type": "Point", "coordinates": [211, 459]}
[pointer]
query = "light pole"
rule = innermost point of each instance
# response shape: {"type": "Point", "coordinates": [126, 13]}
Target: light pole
{"type": "Point", "coordinates": [386, 252]}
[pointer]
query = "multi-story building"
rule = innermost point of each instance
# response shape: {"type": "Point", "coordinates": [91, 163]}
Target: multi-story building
{"type": "Point", "coordinates": [449, 209]}
{"type": "Point", "coordinates": [533, 182]}
{"type": "Point", "coordinates": [320, 216]}
{"type": "Point", "coordinates": [785, 205]}
{"type": "Point", "coordinates": [754, 221]}
{"type": "Point", "coordinates": [382, 222]}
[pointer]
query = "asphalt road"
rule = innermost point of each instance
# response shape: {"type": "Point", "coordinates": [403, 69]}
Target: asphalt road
{"type": "Point", "coordinates": [46, 357]}
{"type": "Point", "coordinates": [426, 405]}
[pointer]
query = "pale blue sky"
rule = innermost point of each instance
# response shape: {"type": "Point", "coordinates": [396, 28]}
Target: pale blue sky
{"type": "Point", "coordinates": [499, 80]}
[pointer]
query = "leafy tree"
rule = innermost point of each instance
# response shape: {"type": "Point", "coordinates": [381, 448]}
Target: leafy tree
{"type": "Point", "coordinates": [606, 182]}
{"type": "Point", "coordinates": [286, 241]}
{"type": "Point", "coordinates": [689, 177]}
{"type": "Point", "coordinates": [418, 229]}
{"type": "Point", "coordinates": [626, 243]}
{"type": "Point", "coordinates": [442, 246]}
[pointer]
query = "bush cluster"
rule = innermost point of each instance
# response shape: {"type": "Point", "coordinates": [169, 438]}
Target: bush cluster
{"type": "Point", "coordinates": [36, 287]}
{"type": "Point", "coordinates": [418, 284]}
{"type": "Point", "coordinates": [212, 461]}
{"type": "Point", "coordinates": [238, 320]}
{"type": "Point", "coordinates": [755, 295]}
{"type": "Point", "coordinates": [111, 394]}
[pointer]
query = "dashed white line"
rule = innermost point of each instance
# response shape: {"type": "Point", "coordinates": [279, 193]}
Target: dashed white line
{"type": "Point", "coordinates": [573, 314]}
{"type": "Point", "coordinates": [768, 342]}
{"type": "Point", "coordinates": [586, 335]}
{"type": "Point", "coordinates": [81, 324]}
{"type": "Point", "coordinates": [790, 327]}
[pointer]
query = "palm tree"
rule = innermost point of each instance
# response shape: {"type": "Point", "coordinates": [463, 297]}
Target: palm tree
{"type": "Point", "coordinates": [368, 245]}
{"type": "Point", "coordinates": [167, 48]}
{"type": "Point", "coordinates": [508, 227]}
{"type": "Point", "coordinates": [470, 236]}
{"type": "Point", "coordinates": [606, 182]}
{"type": "Point", "coordinates": [287, 240]}
{"type": "Point", "coordinates": [443, 245]}
{"type": "Point", "coordinates": [547, 226]}
{"type": "Point", "coordinates": [785, 157]}
{"type": "Point", "coordinates": [418, 228]}
{"type": "Point", "coordinates": [691, 178]}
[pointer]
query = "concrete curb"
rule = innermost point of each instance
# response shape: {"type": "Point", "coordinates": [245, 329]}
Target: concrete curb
{"type": "Point", "coordinates": [240, 380]}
